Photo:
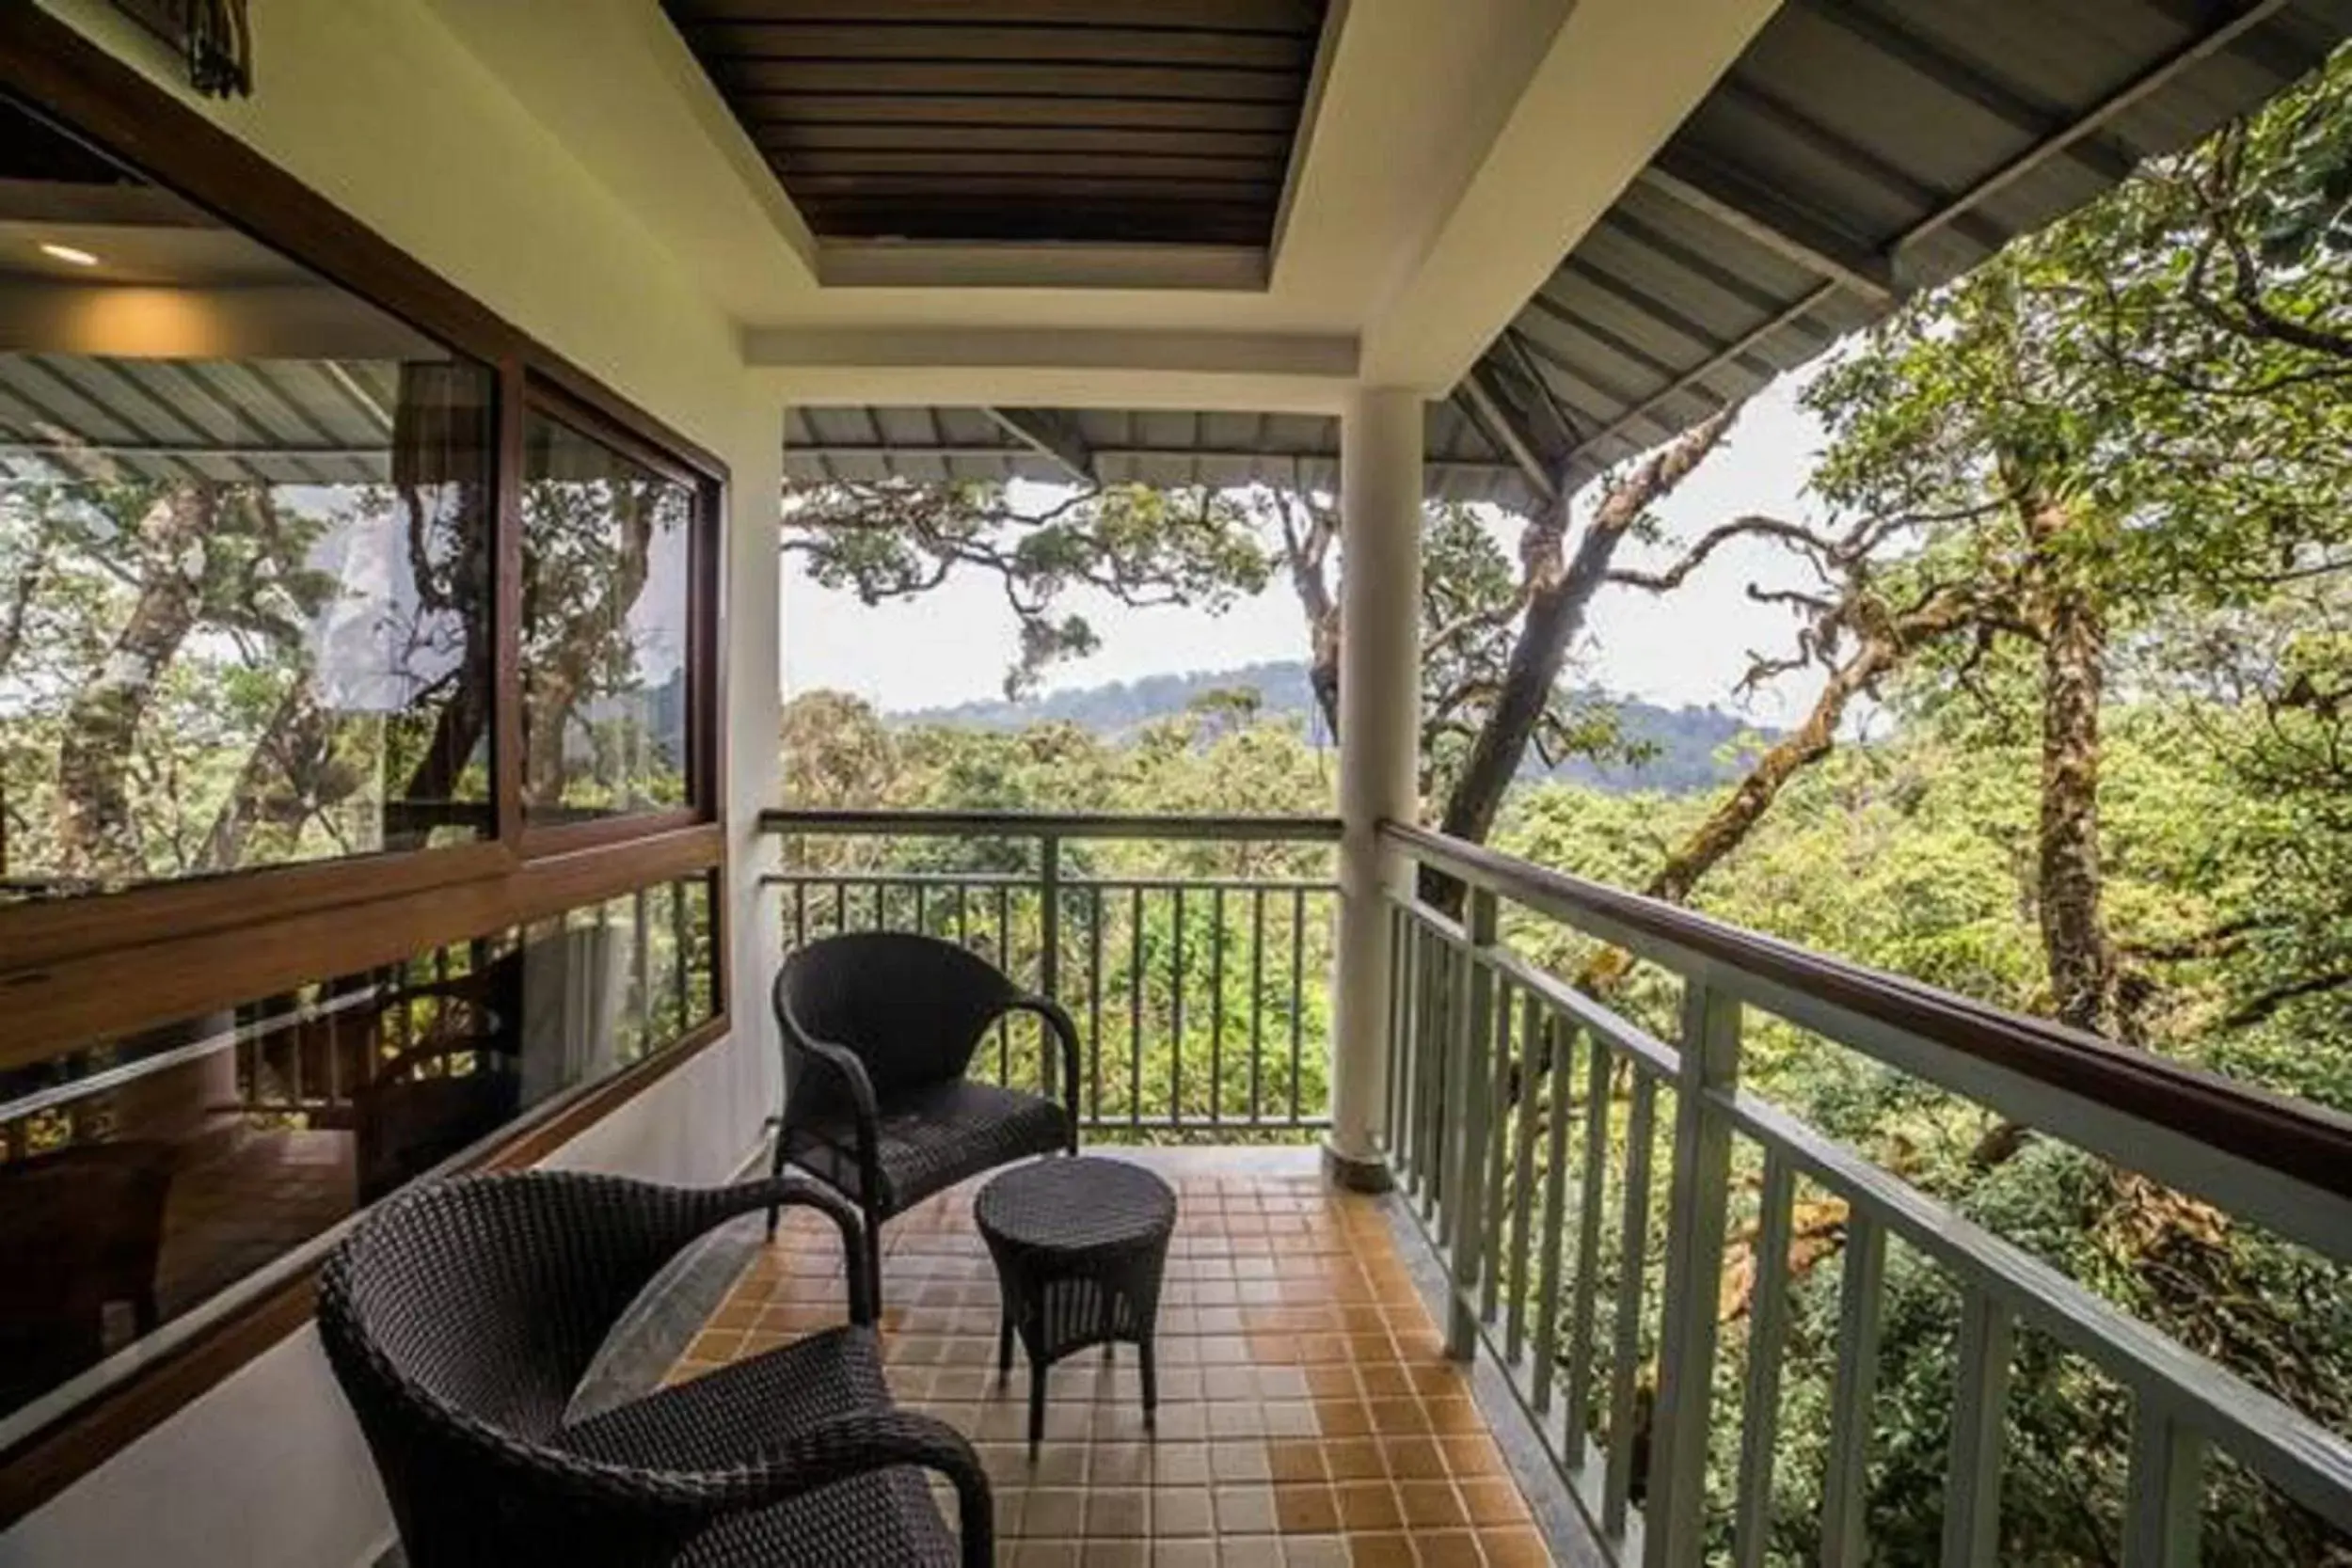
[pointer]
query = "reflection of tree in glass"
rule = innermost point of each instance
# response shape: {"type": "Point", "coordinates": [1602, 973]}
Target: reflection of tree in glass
{"type": "Point", "coordinates": [589, 553]}
{"type": "Point", "coordinates": [200, 675]}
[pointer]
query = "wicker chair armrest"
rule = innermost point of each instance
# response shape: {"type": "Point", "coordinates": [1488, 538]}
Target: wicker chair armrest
{"type": "Point", "coordinates": [787, 1467]}
{"type": "Point", "coordinates": [1065, 1029]}
{"type": "Point", "coordinates": [876, 1440]}
{"type": "Point", "coordinates": [799, 1191]}
{"type": "Point", "coordinates": [864, 1107]}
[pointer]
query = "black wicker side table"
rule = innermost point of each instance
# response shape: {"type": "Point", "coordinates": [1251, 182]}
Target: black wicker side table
{"type": "Point", "coordinates": [1080, 1245]}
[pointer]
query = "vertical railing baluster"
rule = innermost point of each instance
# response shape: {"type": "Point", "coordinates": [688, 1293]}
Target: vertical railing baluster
{"type": "Point", "coordinates": [681, 958]}
{"type": "Point", "coordinates": [1768, 1331]}
{"type": "Point", "coordinates": [800, 913]}
{"type": "Point", "coordinates": [1530, 1081]}
{"type": "Point", "coordinates": [1497, 1089]}
{"type": "Point", "coordinates": [1094, 999]}
{"type": "Point", "coordinates": [1408, 1048]}
{"type": "Point", "coordinates": [922, 910]}
{"type": "Point", "coordinates": [1559, 1052]}
{"type": "Point", "coordinates": [1854, 1395]}
{"type": "Point", "coordinates": [2163, 1521]}
{"type": "Point", "coordinates": [1699, 1197]}
{"type": "Point", "coordinates": [1626, 1348]}
{"type": "Point", "coordinates": [963, 913]}
{"type": "Point", "coordinates": [1427, 1055]}
{"type": "Point", "coordinates": [1583, 1323]}
{"type": "Point", "coordinates": [1298, 994]}
{"type": "Point", "coordinates": [641, 966]}
{"type": "Point", "coordinates": [1217, 1005]}
{"type": "Point", "coordinates": [1257, 1005]}
{"type": "Point", "coordinates": [1467, 1098]}
{"type": "Point", "coordinates": [1135, 1005]}
{"type": "Point", "coordinates": [1049, 951]}
{"type": "Point", "coordinates": [1004, 961]}
{"type": "Point", "coordinates": [840, 905]}
{"type": "Point", "coordinates": [1049, 916]}
{"type": "Point", "coordinates": [1176, 1013]}
{"type": "Point", "coordinates": [1972, 1485]}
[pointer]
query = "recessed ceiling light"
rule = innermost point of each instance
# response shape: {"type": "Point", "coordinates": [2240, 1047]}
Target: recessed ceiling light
{"type": "Point", "coordinates": [68, 253]}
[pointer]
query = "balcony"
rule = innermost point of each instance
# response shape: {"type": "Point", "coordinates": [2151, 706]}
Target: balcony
{"type": "Point", "coordinates": [1588, 1207]}
{"type": "Point", "coordinates": [393, 496]}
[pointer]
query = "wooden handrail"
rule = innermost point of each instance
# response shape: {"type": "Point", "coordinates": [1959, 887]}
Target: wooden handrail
{"type": "Point", "coordinates": [1024, 824]}
{"type": "Point", "coordinates": [2310, 1144]}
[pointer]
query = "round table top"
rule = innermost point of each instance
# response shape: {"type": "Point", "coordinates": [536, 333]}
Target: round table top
{"type": "Point", "coordinates": [1078, 1204]}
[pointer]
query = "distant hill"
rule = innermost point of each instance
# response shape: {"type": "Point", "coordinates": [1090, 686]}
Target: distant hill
{"type": "Point", "coordinates": [1687, 740]}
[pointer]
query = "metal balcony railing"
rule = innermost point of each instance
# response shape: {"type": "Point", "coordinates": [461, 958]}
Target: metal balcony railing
{"type": "Point", "coordinates": [1536, 1132]}
{"type": "Point", "coordinates": [1193, 952]}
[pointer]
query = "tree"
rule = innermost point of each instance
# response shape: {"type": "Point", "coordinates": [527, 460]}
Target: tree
{"type": "Point", "coordinates": [1498, 629]}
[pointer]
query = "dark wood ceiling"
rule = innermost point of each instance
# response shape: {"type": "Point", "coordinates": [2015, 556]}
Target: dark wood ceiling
{"type": "Point", "coordinates": [1161, 121]}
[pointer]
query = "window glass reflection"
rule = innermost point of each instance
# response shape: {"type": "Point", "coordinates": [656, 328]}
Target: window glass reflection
{"type": "Point", "coordinates": [244, 550]}
{"type": "Point", "coordinates": [605, 558]}
{"type": "Point", "coordinates": [140, 1176]}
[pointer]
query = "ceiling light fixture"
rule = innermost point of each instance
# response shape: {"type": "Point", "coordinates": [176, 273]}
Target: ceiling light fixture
{"type": "Point", "coordinates": [68, 253]}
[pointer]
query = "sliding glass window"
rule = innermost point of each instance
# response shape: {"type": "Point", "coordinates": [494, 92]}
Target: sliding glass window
{"type": "Point", "coordinates": [608, 560]}
{"type": "Point", "coordinates": [356, 791]}
{"type": "Point", "coordinates": [246, 546]}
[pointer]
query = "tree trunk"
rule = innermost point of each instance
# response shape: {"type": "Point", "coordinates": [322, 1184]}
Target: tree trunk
{"type": "Point", "coordinates": [290, 777]}
{"type": "Point", "coordinates": [2074, 658]}
{"type": "Point", "coordinates": [1322, 669]}
{"type": "Point", "coordinates": [1886, 642]}
{"type": "Point", "coordinates": [96, 835]}
{"type": "Point", "coordinates": [1884, 647]}
{"type": "Point", "coordinates": [1561, 595]}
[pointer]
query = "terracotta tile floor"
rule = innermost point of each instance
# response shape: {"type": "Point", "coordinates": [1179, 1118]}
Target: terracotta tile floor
{"type": "Point", "coordinates": [1307, 1414]}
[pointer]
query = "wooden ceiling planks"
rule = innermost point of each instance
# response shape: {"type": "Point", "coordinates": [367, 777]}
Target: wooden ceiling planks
{"type": "Point", "coordinates": [1155, 121]}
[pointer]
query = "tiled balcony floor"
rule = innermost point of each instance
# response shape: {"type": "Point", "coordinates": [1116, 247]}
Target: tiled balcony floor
{"type": "Point", "coordinates": [1308, 1415]}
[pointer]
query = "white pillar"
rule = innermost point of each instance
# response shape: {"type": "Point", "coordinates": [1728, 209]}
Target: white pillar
{"type": "Point", "coordinates": [754, 629]}
{"type": "Point", "coordinates": [1380, 480]}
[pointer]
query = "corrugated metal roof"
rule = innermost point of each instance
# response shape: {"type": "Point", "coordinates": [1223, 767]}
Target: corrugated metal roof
{"type": "Point", "coordinates": [1857, 152]}
{"type": "Point", "coordinates": [1147, 446]}
{"type": "Point", "coordinates": [276, 422]}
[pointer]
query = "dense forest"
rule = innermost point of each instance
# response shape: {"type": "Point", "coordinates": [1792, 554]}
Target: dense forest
{"type": "Point", "coordinates": [1673, 750]}
{"type": "Point", "coordinates": [2084, 539]}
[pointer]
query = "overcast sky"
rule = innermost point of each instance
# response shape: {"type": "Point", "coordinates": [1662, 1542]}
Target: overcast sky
{"type": "Point", "coordinates": [955, 643]}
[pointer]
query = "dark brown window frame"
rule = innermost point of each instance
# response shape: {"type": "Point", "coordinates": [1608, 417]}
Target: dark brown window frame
{"type": "Point", "coordinates": [84, 968]}
{"type": "Point", "coordinates": [703, 760]}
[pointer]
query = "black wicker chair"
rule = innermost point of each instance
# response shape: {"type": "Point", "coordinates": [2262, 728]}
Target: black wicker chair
{"type": "Point", "coordinates": [460, 1317]}
{"type": "Point", "coordinates": [878, 1029]}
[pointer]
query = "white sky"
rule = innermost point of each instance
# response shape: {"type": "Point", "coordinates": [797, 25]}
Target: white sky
{"type": "Point", "coordinates": [954, 645]}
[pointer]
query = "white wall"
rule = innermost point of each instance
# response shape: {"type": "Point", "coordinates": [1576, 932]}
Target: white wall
{"type": "Point", "coordinates": [374, 104]}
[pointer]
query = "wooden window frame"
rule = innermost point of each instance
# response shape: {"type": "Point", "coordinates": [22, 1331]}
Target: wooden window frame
{"type": "Point", "coordinates": [51, 69]}
{"type": "Point", "coordinates": [704, 762]}
{"type": "Point", "coordinates": [77, 970]}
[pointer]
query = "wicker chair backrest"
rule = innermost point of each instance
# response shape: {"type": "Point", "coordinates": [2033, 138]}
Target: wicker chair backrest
{"type": "Point", "coordinates": [912, 1007]}
{"type": "Point", "coordinates": [459, 1317]}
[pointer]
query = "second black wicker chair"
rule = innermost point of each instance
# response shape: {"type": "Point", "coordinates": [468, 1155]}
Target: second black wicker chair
{"type": "Point", "coordinates": [879, 1028]}
{"type": "Point", "coordinates": [461, 1316]}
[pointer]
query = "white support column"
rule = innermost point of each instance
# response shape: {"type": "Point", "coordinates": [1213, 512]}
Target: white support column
{"type": "Point", "coordinates": [754, 629]}
{"type": "Point", "coordinates": [1380, 492]}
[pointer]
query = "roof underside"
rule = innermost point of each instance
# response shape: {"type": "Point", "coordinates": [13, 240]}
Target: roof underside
{"type": "Point", "coordinates": [269, 422]}
{"type": "Point", "coordinates": [1858, 150]}
{"type": "Point", "coordinates": [1165, 121]}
